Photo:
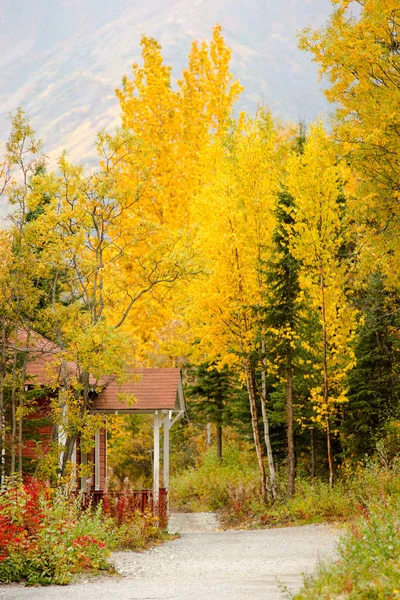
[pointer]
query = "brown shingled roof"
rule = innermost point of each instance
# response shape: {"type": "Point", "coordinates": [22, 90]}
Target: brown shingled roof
{"type": "Point", "coordinates": [43, 359]}
{"type": "Point", "coordinates": [148, 390]}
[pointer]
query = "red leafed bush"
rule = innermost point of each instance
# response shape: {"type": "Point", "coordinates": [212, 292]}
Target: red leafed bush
{"type": "Point", "coordinates": [9, 534]}
{"type": "Point", "coordinates": [134, 529]}
{"type": "Point", "coordinates": [46, 538]}
{"type": "Point", "coordinates": [21, 515]}
{"type": "Point", "coordinates": [126, 506]}
{"type": "Point", "coordinates": [86, 540]}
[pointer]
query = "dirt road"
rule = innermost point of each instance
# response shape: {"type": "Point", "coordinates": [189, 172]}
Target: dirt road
{"type": "Point", "coordinates": [204, 564]}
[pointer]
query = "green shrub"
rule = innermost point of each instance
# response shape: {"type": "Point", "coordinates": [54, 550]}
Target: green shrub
{"type": "Point", "coordinates": [211, 485]}
{"type": "Point", "coordinates": [232, 489]}
{"type": "Point", "coordinates": [369, 563]}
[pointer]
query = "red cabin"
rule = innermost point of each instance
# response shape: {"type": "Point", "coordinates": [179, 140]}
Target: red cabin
{"type": "Point", "coordinates": [147, 391]}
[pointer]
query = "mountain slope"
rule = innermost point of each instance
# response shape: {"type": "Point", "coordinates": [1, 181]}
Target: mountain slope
{"type": "Point", "coordinates": [62, 59]}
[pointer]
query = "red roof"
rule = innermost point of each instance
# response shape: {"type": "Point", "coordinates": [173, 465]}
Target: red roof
{"type": "Point", "coordinates": [148, 389]}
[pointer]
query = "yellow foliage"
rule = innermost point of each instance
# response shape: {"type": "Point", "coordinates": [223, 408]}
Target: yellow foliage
{"type": "Point", "coordinates": [234, 212]}
{"type": "Point", "coordinates": [358, 52]}
{"type": "Point", "coordinates": [319, 238]}
{"type": "Point", "coordinates": [174, 125]}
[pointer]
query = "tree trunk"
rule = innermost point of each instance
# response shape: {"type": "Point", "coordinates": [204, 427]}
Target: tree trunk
{"type": "Point", "coordinates": [63, 439]}
{"type": "Point", "coordinates": [271, 466]}
{"type": "Point", "coordinates": [209, 434]}
{"type": "Point", "coordinates": [67, 455]}
{"type": "Point", "coordinates": [251, 389]}
{"type": "Point", "coordinates": [325, 378]}
{"type": "Point", "coordinates": [290, 436]}
{"type": "Point", "coordinates": [71, 439]}
{"type": "Point", "coordinates": [2, 376]}
{"type": "Point", "coordinates": [219, 442]}
{"type": "Point", "coordinates": [329, 449]}
{"type": "Point", "coordinates": [313, 454]}
{"type": "Point", "coordinates": [20, 425]}
{"type": "Point", "coordinates": [267, 437]}
{"type": "Point", "coordinates": [13, 413]}
{"type": "Point", "coordinates": [21, 404]}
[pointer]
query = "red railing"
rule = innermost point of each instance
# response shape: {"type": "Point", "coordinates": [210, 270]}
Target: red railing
{"type": "Point", "coordinates": [119, 504]}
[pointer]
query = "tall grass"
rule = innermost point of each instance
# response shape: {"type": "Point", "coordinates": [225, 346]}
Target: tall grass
{"type": "Point", "coordinates": [369, 560]}
{"type": "Point", "coordinates": [232, 490]}
{"type": "Point", "coordinates": [211, 485]}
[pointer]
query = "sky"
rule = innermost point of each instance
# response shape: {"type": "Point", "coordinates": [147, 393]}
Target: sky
{"type": "Point", "coordinates": [61, 60]}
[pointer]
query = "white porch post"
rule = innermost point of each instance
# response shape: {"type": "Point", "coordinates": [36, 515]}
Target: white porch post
{"type": "Point", "coordinates": [167, 426]}
{"type": "Point", "coordinates": [156, 459]}
{"type": "Point", "coordinates": [84, 478]}
{"type": "Point", "coordinates": [105, 460]}
{"type": "Point", "coordinates": [73, 459]}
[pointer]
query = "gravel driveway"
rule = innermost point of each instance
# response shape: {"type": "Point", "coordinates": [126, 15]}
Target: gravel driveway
{"type": "Point", "coordinates": [205, 564]}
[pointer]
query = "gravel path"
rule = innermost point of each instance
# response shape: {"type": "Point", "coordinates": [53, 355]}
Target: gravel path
{"type": "Point", "coordinates": [205, 564]}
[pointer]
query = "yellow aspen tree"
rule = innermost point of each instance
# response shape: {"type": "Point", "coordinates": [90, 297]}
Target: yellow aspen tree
{"type": "Point", "coordinates": [208, 89]}
{"type": "Point", "coordinates": [107, 256]}
{"type": "Point", "coordinates": [21, 270]}
{"type": "Point", "coordinates": [234, 215]}
{"type": "Point", "coordinates": [174, 125]}
{"type": "Point", "coordinates": [315, 181]}
{"type": "Point", "coordinates": [5, 262]}
{"type": "Point", "coordinates": [358, 54]}
{"type": "Point", "coordinates": [5, 255]}
{"type": "Point", "coordinates": [149, 109]}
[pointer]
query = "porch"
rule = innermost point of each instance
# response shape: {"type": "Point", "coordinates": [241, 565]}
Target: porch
{"type": "Point", "coordinates": [122, 504]}
{"type": "Point", "coordinates": [156, 392]}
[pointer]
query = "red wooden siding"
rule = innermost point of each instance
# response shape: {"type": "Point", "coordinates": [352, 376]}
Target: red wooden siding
{"type": "Point", "coordinates": [103, 458]}
{"type": "Point", "coordinates": [147, 390]}
{"type": "Point", "coordinates": [44, 431]}
{"type": "Point", "coordinates": [91, 459]}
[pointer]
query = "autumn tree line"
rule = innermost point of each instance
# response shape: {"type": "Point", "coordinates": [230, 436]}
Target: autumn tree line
{"type": "Point", "coordinates": [265, 254]}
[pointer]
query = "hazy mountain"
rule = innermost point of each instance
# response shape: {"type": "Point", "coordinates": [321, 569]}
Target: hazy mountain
{"type": "Point", "coordinates": [61, 60]}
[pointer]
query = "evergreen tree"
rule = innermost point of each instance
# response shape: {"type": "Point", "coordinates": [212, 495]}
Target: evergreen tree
{"type": "Point", "coordinates": [210, 396]}
{"type": "Point", "coordinates": [281, 317]}
{"type": "Point", "coordinates": [374, 383]}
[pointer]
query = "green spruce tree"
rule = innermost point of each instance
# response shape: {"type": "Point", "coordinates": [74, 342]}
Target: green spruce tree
{"type": "Point", "coordinates": [374, 383]}
{"type": "Point", "coordinates": [281, 318]}
{"type": "Point", "coordinates": [209, 397]}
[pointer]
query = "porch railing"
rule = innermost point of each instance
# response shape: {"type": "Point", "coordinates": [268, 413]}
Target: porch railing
{"type": "Point", "coordinates": [122, 504]}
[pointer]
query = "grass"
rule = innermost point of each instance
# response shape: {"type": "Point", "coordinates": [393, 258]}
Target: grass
{"type": "Point", "coordinates": [366, 497]}
{"type": "Point", "coordinates": [369, 560]}
{"type": "Point", "coordinates": [231, 489]}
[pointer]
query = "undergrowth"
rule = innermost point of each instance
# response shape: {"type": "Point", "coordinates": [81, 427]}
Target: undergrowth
{"type": "Point", "coordinates": [46, 537]}
{"type": "Point", "coordinates": [365, 496]}
{"type": "Point", "coordinates": [211, 485]}
{"type": "Point", "coordinates": [369, 560]}
{"type": "Point", "coordinates": [232, 490]}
